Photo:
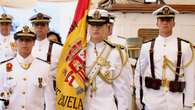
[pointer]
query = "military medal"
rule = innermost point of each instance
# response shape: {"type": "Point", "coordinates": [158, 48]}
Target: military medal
{"type": "Point", "coordinates": [9, 67]}
{"type": "Point", "coordinates": [40, 80]}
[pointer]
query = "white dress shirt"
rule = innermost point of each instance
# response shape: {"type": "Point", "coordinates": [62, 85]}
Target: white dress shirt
{"type": "Point", "coordinates": [161, 99]}
{"type": "Point", "coordinates": [24, 84]}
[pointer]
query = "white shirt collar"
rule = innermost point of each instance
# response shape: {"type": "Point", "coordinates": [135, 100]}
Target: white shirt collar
{"type": "Point", "coordinates": [169, 38]}
{"type": "Point", "coordinates": [5, 38]}
{"type": "Point", "coordinates": [42, 41]}
{"type": "Point", "coordinates": [26, 60]}
{"type": "Point", "coordinates": [97, 45]}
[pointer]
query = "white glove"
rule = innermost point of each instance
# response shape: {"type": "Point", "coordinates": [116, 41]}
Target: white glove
{"type": "Point", "coordinates": [2, 105]}
{"type": "Point", "coordinates": [193, 108]}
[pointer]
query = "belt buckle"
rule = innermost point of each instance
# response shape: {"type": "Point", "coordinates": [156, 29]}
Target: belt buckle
{"type": "Point", "coordinates": [165, 84]}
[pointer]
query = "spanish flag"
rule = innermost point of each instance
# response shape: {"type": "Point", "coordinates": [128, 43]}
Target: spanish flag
{"type": "Point", "coordinates": [70, 77]}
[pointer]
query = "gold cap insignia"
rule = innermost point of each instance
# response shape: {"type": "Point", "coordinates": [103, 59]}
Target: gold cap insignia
{"type": "Point", "coordinates": [96, 15]}
{"type": "Point", "coordinates": [4, 16]}
{"type": "Point", "coordinates": [40, 16]}
{"type": "Point", "coordinates": [166, 11]}
{"type": "Point", "coordinates": [25, 29]}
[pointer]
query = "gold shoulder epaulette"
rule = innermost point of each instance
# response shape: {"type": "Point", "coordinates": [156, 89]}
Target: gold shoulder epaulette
{"type": "Point", "coordinates": [114, 45]}
{"type": "Point", "coordinates": [109, 43]}
{"type": "Point", "coordinates": [42, 60]}
{"type": "Point", "coordinates": [120, 46]}
{"type": "Point", "coordinates": [6, 60]}
{"type": "Point", "coordinates": [149, 40]}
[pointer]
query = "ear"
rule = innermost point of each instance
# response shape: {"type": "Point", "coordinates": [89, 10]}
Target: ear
{"type": "Point", "coordinates": [157, 20]}
{"type": "Point", "coordinates": [33, 42]}
{"type": "Point", "coordinates": [109, 29]}
{"type": "Point", "coordinates": [48, 28]}
{"type": "Point", "coordinates": [109, 26]}
{"type": "Point", "coordinates": [157, 23]}
{"type": "Point", "coordinates": [173, 23]}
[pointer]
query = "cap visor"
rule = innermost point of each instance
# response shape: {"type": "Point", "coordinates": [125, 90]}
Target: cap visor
{"type": "Point", "coordinates": [5, 21]}
{"type": "Point", "coordinates": [97, 23]}
{"type": "Point", "coordinates": [25, 37]}
{"type": "Point", "coordinates": [40, 21]}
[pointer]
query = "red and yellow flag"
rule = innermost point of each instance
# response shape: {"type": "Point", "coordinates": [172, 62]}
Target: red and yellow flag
{"type": "Point", "coordinates": [70, 78]}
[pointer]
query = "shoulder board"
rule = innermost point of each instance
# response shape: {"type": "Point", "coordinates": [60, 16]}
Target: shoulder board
{"type": "Point", "coordinates": [6, 60]}
{"type": "Point", "coordinates": [183, 40]}
{"type": "Point", "coordinates": [109, 43]}
{"type": "Point", "coordinates": [149, 40]}
{"type": "Point", "coordinates": [42, 60]}
{"type": "Point", "coordinates": [58, 43]}
{"type": "Point", "coordinates": [113, 45]}
{"type": "Point", "coordinates": [119, 46]}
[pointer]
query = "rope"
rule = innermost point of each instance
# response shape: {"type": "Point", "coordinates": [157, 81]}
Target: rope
{"type": "Point", "coordinates": [171, 65]}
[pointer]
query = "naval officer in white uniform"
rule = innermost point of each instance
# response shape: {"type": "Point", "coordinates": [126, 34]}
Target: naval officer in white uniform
{"type": "Point", "coordinates": [7, 45]}
{"type": "Point", "coordinates": [24, 86]}
{"type": "Point", "coordinates": [44, 49]}
{"type": "Point", "coordinates": [166, 67]}
{"type": "Point", "coordinates": [109, 87]}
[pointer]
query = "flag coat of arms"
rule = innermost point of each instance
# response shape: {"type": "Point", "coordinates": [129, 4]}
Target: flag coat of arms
{"type": "Point", "coordinates": [70, 77]}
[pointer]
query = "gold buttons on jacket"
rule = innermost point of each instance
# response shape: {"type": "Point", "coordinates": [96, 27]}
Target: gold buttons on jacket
{"type": "Point", "coordinates": [23, 93]}
{"type": "Point", "coordinates": [24, 79]}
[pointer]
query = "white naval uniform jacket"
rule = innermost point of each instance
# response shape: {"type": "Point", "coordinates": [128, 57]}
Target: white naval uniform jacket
{"type": "Point", "coordinates": [5, 47]}
{"type": "Point", "coordinates": [161, 99]}
{"type": "Point", "coordinates": [40, 50]}
{"type": "Point", "coordinates": [103, 98]}
{"type": "Point", "coordinates": [26, 94]}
